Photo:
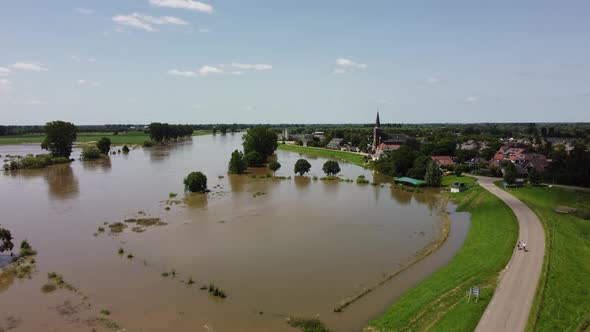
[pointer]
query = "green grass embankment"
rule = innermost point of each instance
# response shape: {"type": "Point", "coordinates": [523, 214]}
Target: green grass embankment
{"type": "Point", "coordinates": [351, 157]}
{"type": "Point", "coordinates": [122, 138]}
{"type": "Point", "coordinates": [439, 303]}
{"type": "Point", "coordinates": [562, 302]}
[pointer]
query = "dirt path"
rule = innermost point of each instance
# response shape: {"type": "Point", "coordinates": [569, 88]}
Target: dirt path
{"type": "Point", "coordinates": [511, 304]}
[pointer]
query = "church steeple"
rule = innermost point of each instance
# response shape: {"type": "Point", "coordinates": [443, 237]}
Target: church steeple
{"type": "Point", "coordinates": [377, 122]}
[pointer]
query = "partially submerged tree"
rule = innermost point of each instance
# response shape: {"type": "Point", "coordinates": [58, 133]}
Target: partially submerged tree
{"type": "Point", "coordinates": [195, 182]}
{"type": "Point", "coordinates": [237, 164]}
{"type": "Point", "coordinates": [254, 159]}
{"type": "Point", "coordinates": [274, 166]}
{"type": "Point", "coordinates": [302, 166]}
{"type": "Point", "coordinates": [60, 137]}
{"type": "Point", "coordinates": [433, 175]}
{"type": "Point", "coordinates": [90, 153]}
{"type": "Point", "coordinates": [331, 167]}
{"type": "Point", "coordinates": [262, 140]}
{"type": "Point", "coordinates": [5, 240]}
{"type": "Point", "coordinates": [104, 145]}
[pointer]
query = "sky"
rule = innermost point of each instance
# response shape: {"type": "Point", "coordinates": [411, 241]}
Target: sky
{"type": "Point", "coordinates": [305, 61]}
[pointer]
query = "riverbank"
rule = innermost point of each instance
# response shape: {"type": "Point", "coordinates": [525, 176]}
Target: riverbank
{"type": "Point", "coordinates": [561, 302]}
{"type": "Point", "coordinates": [122, 138]}
{"type": "Point", "coordinates": [440, 302]}
{"type": "Point", "coordinates": [351, 157]}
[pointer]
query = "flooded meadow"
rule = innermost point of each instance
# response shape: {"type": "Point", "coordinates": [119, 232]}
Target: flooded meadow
{"type": "Point", "coordinates": [141, 255]}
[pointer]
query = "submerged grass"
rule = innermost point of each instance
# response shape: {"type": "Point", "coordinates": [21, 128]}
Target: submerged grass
{"type": "Point", "coordinates": [439, 303]}
{"type": "Point", "coordinates": [135, 138]}
{"type": "Point", "coordinates": [562, 301]}
{"type": "Point", "coordinates": [350, 157]}
{"type": "Point", "coordinates": [307, 324]}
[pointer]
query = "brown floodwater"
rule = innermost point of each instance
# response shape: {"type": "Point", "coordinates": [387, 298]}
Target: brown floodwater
{"type": "Point", "coordinates": [278, 248]}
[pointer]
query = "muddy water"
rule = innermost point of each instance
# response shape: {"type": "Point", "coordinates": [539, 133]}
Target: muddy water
{"type": "Point", "coordinates": [276, 247]}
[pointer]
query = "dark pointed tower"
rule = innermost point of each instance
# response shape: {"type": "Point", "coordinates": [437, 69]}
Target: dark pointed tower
{"type": "Point", "coordinates": [377, 122]}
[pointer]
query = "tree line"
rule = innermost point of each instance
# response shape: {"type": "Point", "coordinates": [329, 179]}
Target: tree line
{"type": "Point", "coordinates": [164, 132]}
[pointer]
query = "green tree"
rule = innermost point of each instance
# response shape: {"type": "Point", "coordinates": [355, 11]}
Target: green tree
{"type": "Point", "coordinates": [195, 182]}
{"type": "Point", "coordinates": [331, 167]}
{"type": "Point", "coordinates": [262, 140]}
{"type": "Point", "coordinates": [90, 153]}
{"type": "Point", "coordinates": [302, 166]}
{"type": "Point", "coordinates": [237, 164]}
{"type": "Point", "coordinates": [104, 145]}
{"type": "Point", "coordinates": [535, 177]}
{"type": "Point", "coordinates": [509, 173]}
{"type": "Point", "coordinates": [254, 159]}
{"type": "Point", "coordinates": [274, 165]}
{"type": "Point", "coordinates": [59, 138]}
{"type": "Point", "coordinates": [5, 240]}
{"type": "Point", "coordinates": [433, 175]}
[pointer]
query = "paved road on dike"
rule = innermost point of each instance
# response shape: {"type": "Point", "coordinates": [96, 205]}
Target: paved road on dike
{"type": "Point", "coordinates": [511, 304]}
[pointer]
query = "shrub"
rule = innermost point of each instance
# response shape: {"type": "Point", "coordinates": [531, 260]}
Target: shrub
{"type": "Point", "coordinates": [26, 249]}
{"type": "Point", "coordinates": [237, 164]}
{"type": "Point", "coordinates": [331, 167]}
{"type": "Point", "coordinates": [104, 145]}
{"type": "Point", "coordinates": [361, 180]}
{"type": "Point", "coordinates": [274, 165]}
{"type": "Point", "coordinates": [196, 182]}
{"type": "Point", "coordinates": [148, 144]}
{"type": "Point", "coordinates": [254, 159]}
{"type": "Point", "coordinates": [90, 153]}
{"type": "Point", "coordinates": [125, 149]}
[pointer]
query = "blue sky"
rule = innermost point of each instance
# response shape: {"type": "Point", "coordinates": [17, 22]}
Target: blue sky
{"type": "Point", "coordinates": [214, 61]}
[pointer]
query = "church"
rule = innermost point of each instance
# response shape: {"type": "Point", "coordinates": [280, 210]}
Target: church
{"type": "Point", "coordinates": [383, 142]}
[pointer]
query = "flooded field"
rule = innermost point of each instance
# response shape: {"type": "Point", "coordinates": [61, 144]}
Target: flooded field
{"type": "Point", "coordinates": [276, 248]}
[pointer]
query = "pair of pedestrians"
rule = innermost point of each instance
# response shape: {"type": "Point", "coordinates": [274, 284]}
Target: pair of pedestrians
{"type": "Point", "coordinates": [522, 246]}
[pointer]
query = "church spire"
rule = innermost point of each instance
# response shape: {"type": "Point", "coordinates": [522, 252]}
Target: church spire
{"type": "Point", "coordinates": [377, 123]}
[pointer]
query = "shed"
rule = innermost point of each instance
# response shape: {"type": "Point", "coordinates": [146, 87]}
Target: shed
{"type": "Point", "coordinates": [410, 181]}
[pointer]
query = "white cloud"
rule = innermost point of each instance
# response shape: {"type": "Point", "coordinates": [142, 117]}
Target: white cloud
{"type": "Point", "coordinates": [75, 58]}
{"type": "Point", "coordinates": [36, 102]}
{"type": "Point", "coordinates": [346, 65]}
{"type": "Point", "coordinates": [472, 99]}
{"type": "Point", "coordinates": [33, 66]}
{"type": "Point", "coordinates": [144, 22]}
{"type": "Point", "coordinates": [161, 20]}
{"type": "Point", "coordinates": [432, 80]}
{"type": "Point", "coordinates": [247, 66]}
{"type": "Point", "coordinates": [184, 4]}
{"type": "Point", "coordinates": [81, 82]}
{"type": "Point", "coordinates": [203, 71]}
{"type": "Point", "coordinates": [5, 82]}
{"type": "Point", "coordinates": [132, 21]}
{"type": "Point", "coordinates": [86, 11]}
{"type": "Point", "coordinates": [5, 71]}
{"type": "Point", "coordinates": [5, 86]}
{"type": "Point", "coordinates": [176, 72]}
{"type": "Point", "coordinates": [203, 30]}
{"type": "Point", "coordinates": [92, 83]}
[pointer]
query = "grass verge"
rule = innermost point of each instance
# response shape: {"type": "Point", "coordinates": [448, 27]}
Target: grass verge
{"type": "Point", "coordinates": [440, 302]}
{"type": "Point", "coordinates": [122, 138]}
{"type": "Point", "coordinates": [350, 157]}
{"type": "Point", "coordinates": [562, 301]}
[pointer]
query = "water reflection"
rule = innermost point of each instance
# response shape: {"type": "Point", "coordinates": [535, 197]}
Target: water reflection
{"type": "Point", "coordinates": [104, 164]}
{"type": "Point", "coordinates": [160, 153]}
{"type": "Point", "coordinates": [237, 182]}
{"type": "Point", "coordinates": [196, 201]}
{"type": "Point", "coordinates": [302, 182]}
{"type": "Point", "coordinates": [401, 196]}
{"type": "Point", "coordinates": [61, 182]}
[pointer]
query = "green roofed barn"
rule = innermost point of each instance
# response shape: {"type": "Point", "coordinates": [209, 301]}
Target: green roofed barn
{"type": "Point", "coordinates": [411, 181]}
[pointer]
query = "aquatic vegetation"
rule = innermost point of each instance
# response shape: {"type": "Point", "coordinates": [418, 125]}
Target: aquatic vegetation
{"type": "Point", "coordinates": [146, 222]}
{"type": "Point", "coordinates": [172, 195]}
{"type": "Point", "coordinates": [330, 178]}
{"type": "Point", "coordinates": [32, 162]}
{"type": "Point", "coordinates": [130, 256]}
{"type": "Point", "coordinates": [148, 144]}
{"type": "Point", "coordinates": [190, 281]}
{"type": "Point", "coordinates": [100, 229]}
{"type": "Point", "coordinates": [90, 153]}
{"type": "Point", "coordinates": [173, 273]}
{"type": "Point", "coordinates": [258, 194]}
{"type": "Point", "coordinates": [216, 291]}
{"type": "Point", "coordinates": [361, 180]}
{"type": "Point", "coordinates": [307, 324]}
{"type": "Point", "coordinates": [105, 312]}
{"type": "Point", "coordinates": [117, 227]}
{"type": "Point", "coordinates": [165, 274]}
{"type": "Point", "coordinates": [26, 249]}
{"type": "Point", "coordinates": [48, 288]}
{"type": "Point", "coordinates": [121, 251]}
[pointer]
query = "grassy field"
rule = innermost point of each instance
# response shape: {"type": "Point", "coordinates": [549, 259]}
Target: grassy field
{"type": "Point", "coordinates": [121, 138]}
{"type": "Point", "coordinates": [562, 302]}
{"type": "Point", "coordinates": [440, 302]}
{"type": "Point", "coordinates": [350, 157]}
